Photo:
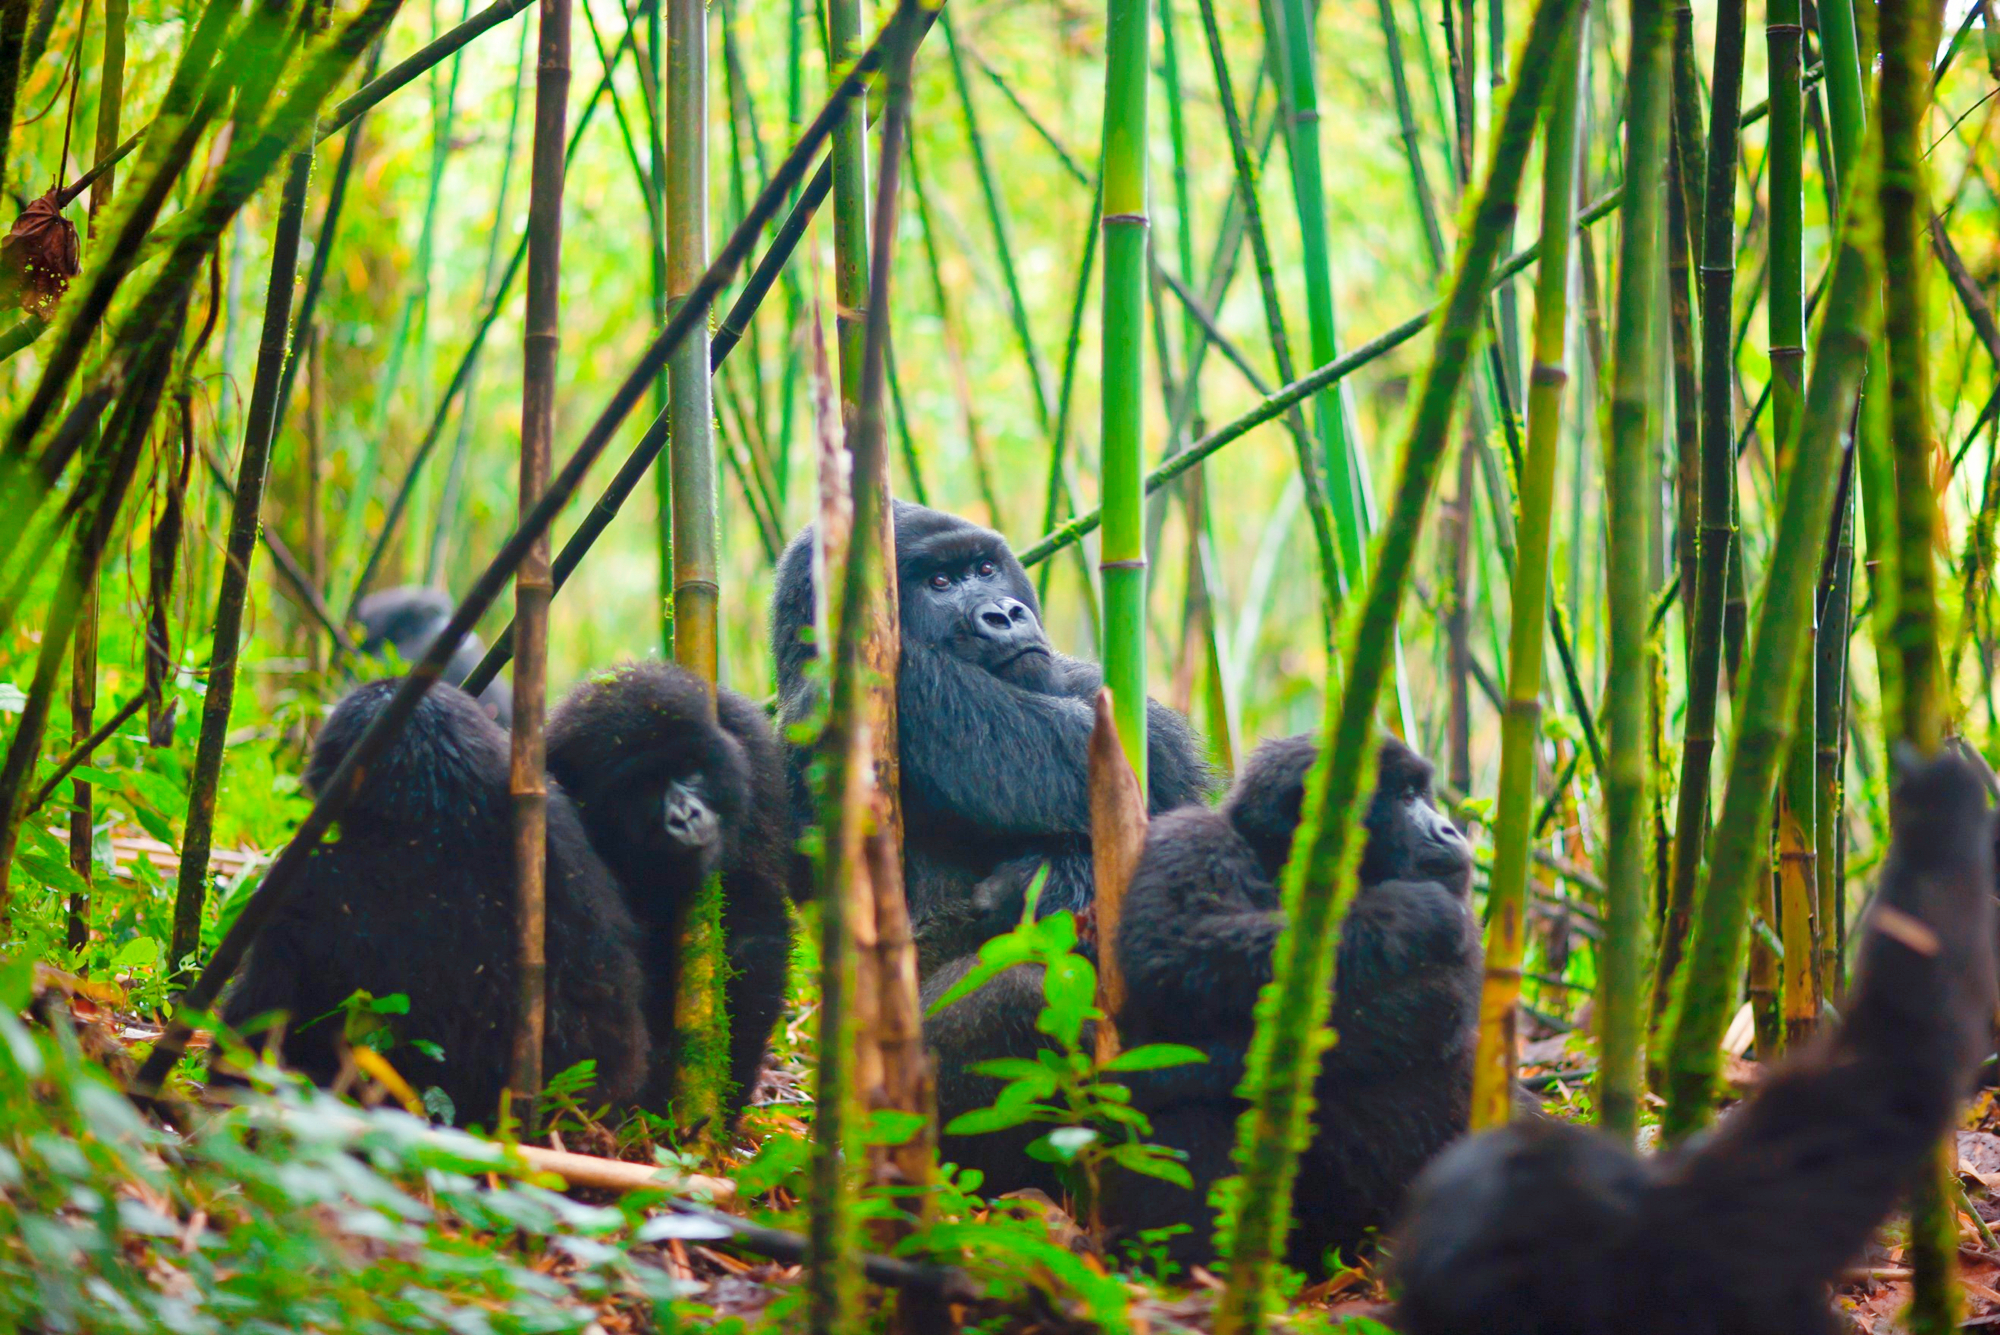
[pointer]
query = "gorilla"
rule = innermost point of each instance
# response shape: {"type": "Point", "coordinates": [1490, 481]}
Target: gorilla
{"type": "Point", "coordinates": [409, 618]}
{"type": "Point", "coordinates": [994, 729]}
{"type": "Point", "coordinates": [670, 795]}
{"type": "Point", "coordinates": [1195, 941]}
{"type": "Point", "coordinates": [416, 895]}
{"type": "Point", "coordinates": [1550, 1229]}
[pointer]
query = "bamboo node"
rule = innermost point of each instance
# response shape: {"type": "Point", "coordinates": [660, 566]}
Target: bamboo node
{"type": "Point", "coordinates": [1544, 373]}
{"type": "Point", "coordinates": [1133, 563]}
{"type": "Point", "coordinates": [1138, 218]}
{"type": "Point", "coordinates": [1784, 30]}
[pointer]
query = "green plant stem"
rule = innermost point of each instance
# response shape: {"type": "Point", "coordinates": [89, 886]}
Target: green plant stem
{"type": "Point", "coordinates": [1622, 954]}
{"type": "Point", "coordinates": [1767, 704]}
{"type": "Point", "coordinates": [1122, 558]}
{"type": "Point", "coordinates": [1520, 725]}
{"type": "Point", "coordinates": [1318, 879]}
{"type": "Point", "coordinates": [1717, 500]}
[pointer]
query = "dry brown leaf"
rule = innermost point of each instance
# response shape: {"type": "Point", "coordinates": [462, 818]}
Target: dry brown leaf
{"type": "Point", "coordinates": [40, 255]}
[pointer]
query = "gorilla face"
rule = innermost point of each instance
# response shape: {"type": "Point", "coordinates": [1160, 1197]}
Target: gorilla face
{"type": "Point", "coordinates": [1409, 839]}
{"type": "Point", "coordinates": [962, 591]}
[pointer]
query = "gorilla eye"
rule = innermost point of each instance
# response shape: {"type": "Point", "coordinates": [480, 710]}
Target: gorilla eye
{"type": "Point", "coordinates": [986, 569]}
{"type": "Point", "coordinates": [940, 581]}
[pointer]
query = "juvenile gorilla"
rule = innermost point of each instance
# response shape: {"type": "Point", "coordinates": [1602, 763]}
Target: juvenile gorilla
{"type": "Point", "coordinates": [408, 618]}
{"type": "Point", "coordinates": [670, 796]}
{"type": "Point", "coordinates": [1552, 1229]}
{"type": "Point", "coordinates": [1195, 941]}
{"type": "Point", "coordinates": [994, 727]}
{"type": "Point", "coordinates": [417, 896]}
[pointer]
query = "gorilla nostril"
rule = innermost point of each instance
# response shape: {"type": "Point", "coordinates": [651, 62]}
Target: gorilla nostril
{"type": "Point", "coordinates": [995, 618]}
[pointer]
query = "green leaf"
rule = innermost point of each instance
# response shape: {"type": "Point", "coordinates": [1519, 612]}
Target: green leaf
{"type": "Point", "coordinates": [1155, 1057]}
{"type": "Point", "coordinates": [138, 953]}
{"type": "Point", "coordinates": [1070, 1141]}
{"type": "Point", "coordinates": [983, 1121]}
{"type": "Point", "coordinates": [890, 1126]}
{"type": "Point", "coordinates": [1152, 1161]}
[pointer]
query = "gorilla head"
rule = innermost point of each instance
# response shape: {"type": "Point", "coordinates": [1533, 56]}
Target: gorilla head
{"type": "Point", "coordinates": [1409, 839]}
{"type": "Point", "coordinates": [661, 787]}
{"type": "Point", "coordinates": [963, 591]}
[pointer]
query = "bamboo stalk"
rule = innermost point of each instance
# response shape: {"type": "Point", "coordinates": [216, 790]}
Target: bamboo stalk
{"type": "Point", "coordinates": [1717, 515]}
{"type": "Point", "coordinates": [1333, 590]}
{"type": "Point", "coordinates": [83, 653]}
{"type": "Point", "coordinates": [996, 218]}
{"type": "Point", "coordinates": [253, 469]}
{"type": "Point", "coordinates": [1908, 38]}
{"type": "Point", "coordinates": [1298, 96]}
{"type": "Point", "coordinates": [1767, 706]}
{"type": "Point", "coordinates": [1797, 840]}
{"type": "Point", "coordinates": [468, 413]}
{"type": "Point", "coordinates": [527, 782]}
{"type": "Point", "coordinates": [1122, 554]}
{"type": "Point", "coordinates": [1513, 834]}
{"type": "Point", "coordinates": [1622, 955]}
{"type": "Point", "coordinates": [13, 37]}
{"type": "Point", "coordinates": [407, 71]}
{"type": "Point", "coordinates": [1317, 886]}
{"type": "Point", "coordinates": [701, 1078]}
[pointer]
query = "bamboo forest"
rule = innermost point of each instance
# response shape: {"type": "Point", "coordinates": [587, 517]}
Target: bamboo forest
{"type": "Point", "coordinates": [1012, 666]}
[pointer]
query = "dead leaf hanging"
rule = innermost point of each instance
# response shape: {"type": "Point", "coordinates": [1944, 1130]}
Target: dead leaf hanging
{"type": "Point", "coordinates": [39, 256]}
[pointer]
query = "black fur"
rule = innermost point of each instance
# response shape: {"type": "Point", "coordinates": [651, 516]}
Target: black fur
{"type": "Point", "coordinates": [994, 728]}
{"type": "Point", "coordinates": [1548, 1229]}
{"type": "Point", "coordinates": [670, 796]}
{"type": "Point", "coordinates": [409, 618]}
{"type": "Point", "coordinates": [1195, 942]}
{"type": "Point", "coordinates": [416, 894]}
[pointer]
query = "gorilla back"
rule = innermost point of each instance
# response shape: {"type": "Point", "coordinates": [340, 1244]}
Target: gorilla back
{"type": "Point", "coordinates": [409, 618]}
{"type": "Point", "coordinates": [416, 895]}
{"type": "Point", "coordinates": [1200, 920]}
{"type": "Point", "coordinates": [1553, 1229]}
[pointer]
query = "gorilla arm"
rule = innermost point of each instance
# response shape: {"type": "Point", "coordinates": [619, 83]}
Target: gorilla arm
{"type": "Point", "coordinates": [1789, 1188]}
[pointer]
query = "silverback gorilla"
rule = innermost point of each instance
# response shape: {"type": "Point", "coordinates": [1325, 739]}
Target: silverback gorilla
{"type": "Point", "coordinates": [417, 895]}
{"type": "Point", "coordinates": [994, 725]}
{"type": "Point", "coordinates": [408, 618]}
{"type": "Point", "coordinates": [1195, 941]}
{"type": "Point", "coordinates": [1552, 1229]}
{"type": "Point", "coordinates": [670, 796]}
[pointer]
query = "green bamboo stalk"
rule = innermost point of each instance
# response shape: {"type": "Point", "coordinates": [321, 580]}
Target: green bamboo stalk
{"type": "Point", "coordinates": [468, 414]}
{"type": "Point", "coordinates": [1768, 703]}
{"type": "Point", "coordinates": [1513, 834]}
{"type": "Point", "coordinates": [862, 692]}
{"type": "Point", "coordinates": [541, 329]}
{"type": "Point", "coordinates": [996, 218]}
{"type": "Point", "coordinates": [323, 247]}
{"type": "Point", "coordinates": [701, 1077]}
{"type": "Point", "coordinates": [1298, 94]}
{"type": "Point", "coordinates": [1797, 837]}
{"type": "Point", "coordinates": [845, 26]}
{"type": "Point", "coordinates": [1122, 558]}
{"type": "Point", "coordinates": [1908, 38]}
{"type": "Point", "coordinates": [1333, 590]}
{"type": "Point", "coordinates": [83, 655]}
{"type": "Point", "coordinates": [1717, 516]}
{"type": "Point", "coordinates": [1413, 154]}
{"type": "Point", "coordinates": [253, 469]}
{"type": "Point", "coordinates": [1622, 954]}
{"type": "Point", "coordinates": [1319, 878]}
{"type": "Point", "coordinates": [652, 74]}
{"type": "Point", "coordinates": [1836, 595]}
{"type": "Point", "coordinates": [13, 37]}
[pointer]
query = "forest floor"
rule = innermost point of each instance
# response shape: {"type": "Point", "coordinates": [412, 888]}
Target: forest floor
{"type": "Point", "coordinates": [720, 1281]}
